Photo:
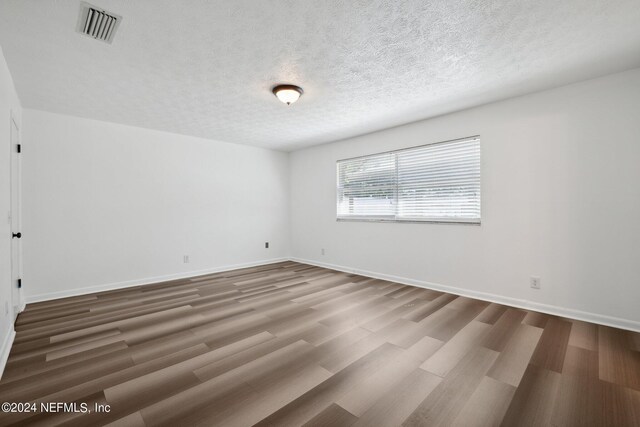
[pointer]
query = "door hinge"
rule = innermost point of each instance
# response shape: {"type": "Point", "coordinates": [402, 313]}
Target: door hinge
{"type": "Point", "coordinates": [19, 148]}
{"type": "Point", "coordinates": [19, 283]}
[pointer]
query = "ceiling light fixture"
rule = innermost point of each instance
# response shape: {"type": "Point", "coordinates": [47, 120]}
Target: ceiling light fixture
{"type": "Point", "coordinates": [287, 93]}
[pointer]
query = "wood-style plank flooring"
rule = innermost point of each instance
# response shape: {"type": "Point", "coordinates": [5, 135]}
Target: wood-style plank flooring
{"type": "Point", "coordinates": [290, 344]}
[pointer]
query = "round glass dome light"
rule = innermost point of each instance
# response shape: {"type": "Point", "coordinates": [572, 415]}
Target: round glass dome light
{"type": "Point", "coordinates": [287, 93]}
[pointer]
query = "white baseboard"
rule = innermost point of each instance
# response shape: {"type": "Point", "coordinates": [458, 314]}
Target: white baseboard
{"type": "Point", "coordinates": [615, 322]}
{"type": "Point", "coordinates": [147, 281]}
{"type": "Point", "coordinates": [5, 350]}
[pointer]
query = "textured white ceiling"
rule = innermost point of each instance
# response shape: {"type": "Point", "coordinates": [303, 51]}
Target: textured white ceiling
{"type": "Point", "coordinates": [205, 67]}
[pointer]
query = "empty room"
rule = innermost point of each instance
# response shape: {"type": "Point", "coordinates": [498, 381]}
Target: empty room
{"type": "Point", "coordinates": [320, 213]}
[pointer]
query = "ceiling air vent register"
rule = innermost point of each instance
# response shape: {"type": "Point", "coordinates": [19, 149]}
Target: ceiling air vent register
{"type": "Point", "coordinates": [97, 23]}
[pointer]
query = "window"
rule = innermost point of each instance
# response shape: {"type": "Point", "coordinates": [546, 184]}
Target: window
{"type": "Point", "coordinates": [437, 182]}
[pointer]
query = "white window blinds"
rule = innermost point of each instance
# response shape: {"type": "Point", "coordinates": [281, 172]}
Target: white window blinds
{"type": "Point", "coordinates": [437, 182]}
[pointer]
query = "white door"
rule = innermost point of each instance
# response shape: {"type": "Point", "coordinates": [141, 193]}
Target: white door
{"type": "Point", "coordinates": [16, 240]}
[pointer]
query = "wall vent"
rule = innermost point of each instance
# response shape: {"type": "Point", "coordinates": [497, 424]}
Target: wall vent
{"type": "Point", "coordinates": [97, 23]}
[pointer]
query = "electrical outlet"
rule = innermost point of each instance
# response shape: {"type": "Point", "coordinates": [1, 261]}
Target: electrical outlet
{"type": "Point", "coordinates": [266, 245]}
{"type": "Point", "coordinates": [185, 259]}
{"type": "Point", "coordinates": [322, 251]}
{"type": "Point", "coordinates": [535, 282]}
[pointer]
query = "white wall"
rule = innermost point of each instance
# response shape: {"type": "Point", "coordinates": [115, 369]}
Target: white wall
{"type": "Point", "coordinates": [108, 205]}
{"type": "Point", "coordinates": [9, 104]}
{"type": "Point", "coordinates": [560, 200]}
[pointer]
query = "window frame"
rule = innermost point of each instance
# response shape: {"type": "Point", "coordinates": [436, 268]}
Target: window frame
{"type": "Point", "coordinates": [394, 218]}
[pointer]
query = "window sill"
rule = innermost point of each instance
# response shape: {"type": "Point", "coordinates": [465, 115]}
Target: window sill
{"type": "Point", "coordinates": [411, 221]}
